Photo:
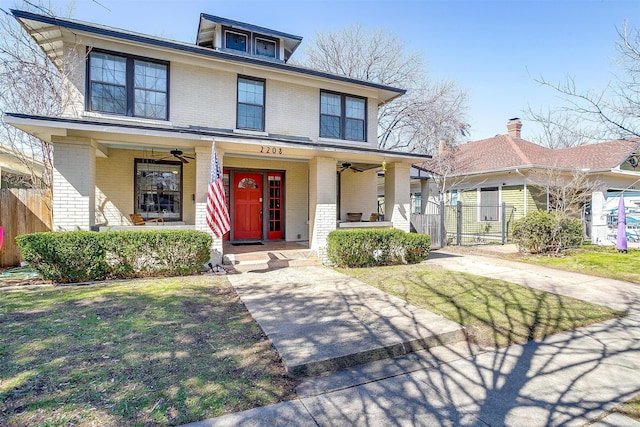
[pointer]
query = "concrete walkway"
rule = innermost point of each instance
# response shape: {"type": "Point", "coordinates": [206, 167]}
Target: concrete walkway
{"type": "Point", "coordinates": [320, 320]}
{"type": "Point", "coordinates": [572, 378]}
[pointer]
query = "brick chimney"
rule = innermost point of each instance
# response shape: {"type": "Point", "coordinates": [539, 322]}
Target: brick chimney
{"type": "Point", "coordinates": [513, 127]}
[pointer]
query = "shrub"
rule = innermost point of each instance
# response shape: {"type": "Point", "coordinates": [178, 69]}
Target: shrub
{"type": "Point", "coordinates": [78, 256]}
{"type": "Point", "coordinates": [416, 247]}
{"type": "Point", "coordinates": [542, 232]}
{"type": "Point", "coordinates": [371, 247]}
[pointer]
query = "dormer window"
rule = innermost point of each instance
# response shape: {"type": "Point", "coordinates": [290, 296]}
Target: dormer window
{"type": "Point", "coordinates": [236, 41]}
{"type": "Point", "coordinates": [243, 41]}
{"type": "Point", "coordinates": [265, 47]}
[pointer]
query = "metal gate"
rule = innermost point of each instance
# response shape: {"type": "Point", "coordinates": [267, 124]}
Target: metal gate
{"type": "Point", "coordinates": [465, 224]}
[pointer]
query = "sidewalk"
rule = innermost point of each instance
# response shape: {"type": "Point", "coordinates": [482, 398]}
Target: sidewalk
{"type": "Point", "coordinates": [320, 320]}
{"type": "Point", "coordinates": [571, 378]}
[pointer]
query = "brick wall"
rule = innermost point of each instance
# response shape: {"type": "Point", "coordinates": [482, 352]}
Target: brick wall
{"type": "Point", "coordinates": [203, 92]}
{"type": "Point", "coordinates": [322, 196]}
{"type": "Point", "coordinates": [73, 185]}
{"type": "Point", "coordinates": [396, 196]}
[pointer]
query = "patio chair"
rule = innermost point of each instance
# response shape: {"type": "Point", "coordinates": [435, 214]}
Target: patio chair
{"type": "Point", "coordinates": [137, 219]}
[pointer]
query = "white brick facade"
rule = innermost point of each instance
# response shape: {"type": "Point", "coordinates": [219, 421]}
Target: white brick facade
{"type": "Point", "coordinates": [322, 199]}
{"type": "Point", "coordinates": [397, 198]}
{"type": "Point", "coordinates": [94, 179]}
{"type": "Point", "coordinates": [74, 184]}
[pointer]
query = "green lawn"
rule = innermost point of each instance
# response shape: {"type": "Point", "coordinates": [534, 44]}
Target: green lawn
{"type": "Point", "coordinates": [496, 313]}
{"type": "Point", "coordinates": [139, 352]}
{"type": "Point", "coordinates": [595, 260]}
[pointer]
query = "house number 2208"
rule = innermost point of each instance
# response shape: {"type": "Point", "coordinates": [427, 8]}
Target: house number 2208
{"type": "Point", "coordinates": [270, 150]}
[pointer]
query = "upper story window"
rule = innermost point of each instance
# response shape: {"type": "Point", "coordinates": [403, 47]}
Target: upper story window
{"type": "Point", "coordinates": [127, 85]}
{"type": "Point", "coordinates": [242, 41]}
{"type": "Point", "coordinates": [266, 48]}
{"type": "Point", "coordinates": [250, 104]}
{"type": "Point", "coordinates": [342, 116]}
{"type": "Point", "coordinates": [236, 41]}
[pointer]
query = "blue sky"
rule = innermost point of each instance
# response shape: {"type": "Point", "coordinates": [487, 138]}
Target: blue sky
{"type": "Point", "coordinates": [492, 49]}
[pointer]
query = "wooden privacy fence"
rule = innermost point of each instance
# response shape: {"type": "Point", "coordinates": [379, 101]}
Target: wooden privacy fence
{"type": "Point", "coordinates": [21, 212]}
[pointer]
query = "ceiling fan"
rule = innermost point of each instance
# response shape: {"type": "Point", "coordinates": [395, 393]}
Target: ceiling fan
{"type": "Point", "coordinates": [347, 165]}
{"type": "Point", "coordinates": [178, 154]}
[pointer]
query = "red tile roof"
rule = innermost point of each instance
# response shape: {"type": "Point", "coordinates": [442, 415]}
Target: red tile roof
{"type": "Point", "coordinates": [506, 152]}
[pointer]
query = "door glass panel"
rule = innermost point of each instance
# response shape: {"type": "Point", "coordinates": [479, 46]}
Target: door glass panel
{"type": "Point", "coordinates": [247, 183]}
{"type": "Point", "coordinates": [275, 206]}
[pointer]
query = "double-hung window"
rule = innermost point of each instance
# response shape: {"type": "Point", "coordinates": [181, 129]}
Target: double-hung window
{"type": "Point", "coordinates": [489, 204]}
{"type": "Point", "coordinates": [250, 113]}
{"type": "Point", "coordinates": [128, 86]}
{"type": "Point", "coordinates": [342, 116]}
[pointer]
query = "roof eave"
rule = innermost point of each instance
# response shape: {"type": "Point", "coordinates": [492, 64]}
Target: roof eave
{"type": "Point", "coordinates": [24, 122]}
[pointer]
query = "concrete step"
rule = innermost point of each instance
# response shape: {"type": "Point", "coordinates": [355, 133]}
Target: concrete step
{"type": "Point", "coordinates": [267, 260]}
{"type": "Point", "coordinates": [322, 321]}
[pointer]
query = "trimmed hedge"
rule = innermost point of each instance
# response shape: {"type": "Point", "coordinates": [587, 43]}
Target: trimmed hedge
{"type": "Point", "coordinates": [544, 232]}
{"type": "Point", "coordinates": [416, 247]}
{"type": "Point", "coordinates": [372, 247]}
{"type": "Point", "coordinates": [79, 256]}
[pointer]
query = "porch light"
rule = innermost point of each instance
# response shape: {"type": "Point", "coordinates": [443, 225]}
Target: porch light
{"type": "Point", "coordinates": [384, 166]}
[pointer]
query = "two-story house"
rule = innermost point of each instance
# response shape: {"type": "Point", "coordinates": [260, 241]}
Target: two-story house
{"type": "Point", "coordinates": [298, 146]}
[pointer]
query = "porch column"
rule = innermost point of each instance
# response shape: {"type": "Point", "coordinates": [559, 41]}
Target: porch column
{"type": "Point", "coordinates": [397, 196]}
{"type": "Point", "coordinates": [74, 183]}
{"type": "Point", "coordinates": [322, 203]}
{"type": "Point", "coordinates": [598, 219]}
{"type": "Point", "coordinates": [203, 166]}
{"type": "Point", "coordinates": [424, 195]}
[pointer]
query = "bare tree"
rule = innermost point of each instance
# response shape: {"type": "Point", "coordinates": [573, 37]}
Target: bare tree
{"type": "Point", "coordinates": [567, 191]}
{"type": "Point", "coordinates": [429, 112]}
{"type": "Point", "coordinates": [614, 111]}
{"type": "Point", "coordinates": [31, 83]}
{"type": "Point", "coordinates": [560, 129]}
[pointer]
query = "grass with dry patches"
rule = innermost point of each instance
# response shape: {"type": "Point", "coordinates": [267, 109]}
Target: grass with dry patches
{"type": "Point", "coordinates": [494, 312]}
{"type": "Point", "coordinates": [139, 352]}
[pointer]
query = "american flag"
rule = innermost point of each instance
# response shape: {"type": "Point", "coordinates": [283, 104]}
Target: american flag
{"type": "Point", "coordinates": [217, 212]}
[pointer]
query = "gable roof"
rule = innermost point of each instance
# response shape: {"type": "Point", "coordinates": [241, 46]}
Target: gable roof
{"type": "Point", "coordinates": [39, 26]}
{"type": "Point", "coordinates": [504, 152]}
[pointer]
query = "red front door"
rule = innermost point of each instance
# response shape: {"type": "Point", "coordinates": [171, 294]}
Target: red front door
{"type": "Point", "coordinates": [247, 206]}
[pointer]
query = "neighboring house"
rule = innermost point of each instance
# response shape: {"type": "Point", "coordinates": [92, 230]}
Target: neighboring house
{"type": "Point", "coordinates": [18, 169]}
{"type": "Point", "coordinates": [508, 169]}
{"type": "Point", "coordinates": [139, 138]}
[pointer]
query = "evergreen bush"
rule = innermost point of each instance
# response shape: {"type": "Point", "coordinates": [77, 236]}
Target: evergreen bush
{"type": "Point", "coordinates": [544, 232]}
{"type": "Point", "coordinates": [79, 256]}
{"type": "Point", "coordinates": [373, 247]}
